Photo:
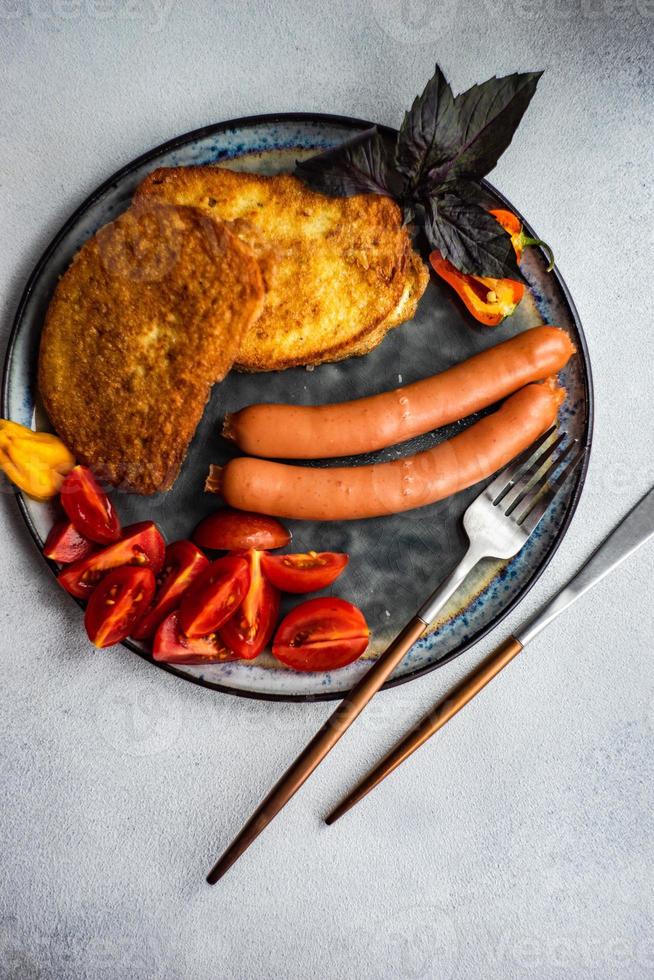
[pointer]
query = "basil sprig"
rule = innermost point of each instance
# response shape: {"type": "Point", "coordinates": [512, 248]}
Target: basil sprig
{"type": "Point", "coordinates": [447, 143]}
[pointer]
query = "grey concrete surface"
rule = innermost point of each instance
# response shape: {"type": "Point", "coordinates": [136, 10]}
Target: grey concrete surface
{"type": "Point", "coordinates": [517, 845]}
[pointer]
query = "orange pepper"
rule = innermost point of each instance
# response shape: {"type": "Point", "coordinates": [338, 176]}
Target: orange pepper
{"type": "Point", "coordinates": [37, 462]}
{"type": "Point", "coordinates": [513, 226]}
{"type": "Point", "coordinates": [489, 300]}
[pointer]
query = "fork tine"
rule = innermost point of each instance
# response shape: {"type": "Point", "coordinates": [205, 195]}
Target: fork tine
{"type": "Point", "coordinates": [532, 474]}
{"type": "Point", "coordinates": [505, 480]}
{"type": "Point", "coordinates": [535, 509]}
{"type": "Point", "coordinates": [536, 483]}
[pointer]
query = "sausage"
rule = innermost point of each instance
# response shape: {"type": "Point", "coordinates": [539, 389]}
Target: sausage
{"type": "Point", "coordinates": [344, 493]}
{"type": "Point", "coordinates": [367, 424]}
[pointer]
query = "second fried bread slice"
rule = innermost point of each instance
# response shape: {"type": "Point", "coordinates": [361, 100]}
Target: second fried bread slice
{"type": "Point", "coordinates": [335, 269]}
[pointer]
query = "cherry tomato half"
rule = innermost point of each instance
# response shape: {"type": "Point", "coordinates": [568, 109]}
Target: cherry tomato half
{"type": "Point", "coordinates": [141, 544]}
{"type": "Point", "coordinates": [172, 647]}
{"type": "Point", "coordinates": [65, 544]}
{"type": "Point", "coordinates": [252, 625]}
{"type": "Point", "coordinates": [304, 573]}
{"type": "Point", "coordinates": [117, 603]}
{"type": "Point", "coordinates": [88, 506]}
{"type": "Point", "coordinates": [239, 530]}
{"type": "Point", "coordinates": [214, 596]}
{"type": "Point", "coordinates": [321, 634]}
{"type": "Point", "coordinates": [183, 564]}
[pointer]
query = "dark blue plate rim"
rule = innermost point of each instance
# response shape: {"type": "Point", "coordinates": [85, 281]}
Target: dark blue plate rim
{"type": "Point", "coordinates": [356, 125]}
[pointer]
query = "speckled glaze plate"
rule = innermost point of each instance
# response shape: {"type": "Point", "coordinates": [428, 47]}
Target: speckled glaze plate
{"type": "Point", "coordinates": [395, 562]}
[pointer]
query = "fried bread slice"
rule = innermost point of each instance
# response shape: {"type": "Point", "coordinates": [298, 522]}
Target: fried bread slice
{"type": "Point", "coordinates": [150, 313]}
{"type": "Point", "coordinates": [415, 285]}
{"type": "Point", "coordinates": [335, 269]}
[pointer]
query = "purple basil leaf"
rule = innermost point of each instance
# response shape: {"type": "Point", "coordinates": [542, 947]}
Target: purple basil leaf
{"type": "Point", "coordinates": [486, 117]}
{"type": "Point", "coordinates": [428, 136]}
{"type": "Point", "coordinates": [473, 241]}
{"type": "Point", "coordinates": [470, 192]}
{"type": "Point", "coordinates": [361, 165]}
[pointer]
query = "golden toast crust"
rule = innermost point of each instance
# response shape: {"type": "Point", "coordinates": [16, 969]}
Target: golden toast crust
{"type": "Point", "coordinates": [335, 269]}
{"type": "Point", "coordinates": [416, 282]}
{"type": "Point", "coordinates": [150, 313]}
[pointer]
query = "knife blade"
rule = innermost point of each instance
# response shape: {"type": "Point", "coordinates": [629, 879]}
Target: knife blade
{"type": "Point", "coordinates": [631, 533]}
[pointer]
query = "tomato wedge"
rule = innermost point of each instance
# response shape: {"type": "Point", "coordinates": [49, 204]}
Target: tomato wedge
{"type": "Point", "coordinates": [321, 634]}
{"type": "Point", "coordinates": [172, 647]}
{"type": "Point", "coordinates": [252, 625]}
{"type": "Point", "coordinates": [182, 566]}
{"type": "Point", "coordinates": [117, 603]}
{"type": "Point", "coordinates": [304, 573]}
{"type": "Point", "coordinates": [88, 506]}
{"type": "Point", "coordinates": [239, 530]}
{"type": "Point", "coordinates": [65, 544]}
{"type": "Point", "coordinates": [141, 544]}
{"type": "Point", "coordinates": [214, 596]}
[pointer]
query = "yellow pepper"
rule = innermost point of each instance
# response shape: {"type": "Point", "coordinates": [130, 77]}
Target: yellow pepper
{"type": "Point", "coordinates": [37, 462]}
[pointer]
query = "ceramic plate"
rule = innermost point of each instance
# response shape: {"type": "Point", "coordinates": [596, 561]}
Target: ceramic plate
{"type": "Point", "coordinates": [396, 561]}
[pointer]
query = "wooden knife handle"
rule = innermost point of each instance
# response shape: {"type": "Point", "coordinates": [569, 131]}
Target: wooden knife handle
{"type": "Point", "coordinates": [439, 715]}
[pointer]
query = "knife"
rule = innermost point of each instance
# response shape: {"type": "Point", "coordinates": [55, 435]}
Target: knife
{"type": "Point", "coordinates": [633, 531]}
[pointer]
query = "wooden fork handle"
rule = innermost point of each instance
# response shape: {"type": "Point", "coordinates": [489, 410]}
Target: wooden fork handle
{"type": "Point", "coordinates": [311, 757]}
{"type": "Point", "coordinates": [446, 708]}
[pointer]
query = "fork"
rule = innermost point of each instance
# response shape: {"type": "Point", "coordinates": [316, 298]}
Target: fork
{"type": "Point", "coordinates": [498, 523]}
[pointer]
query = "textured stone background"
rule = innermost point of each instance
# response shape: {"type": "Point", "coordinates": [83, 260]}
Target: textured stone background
{"type": "Point", "coordinates": [518, 844]}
